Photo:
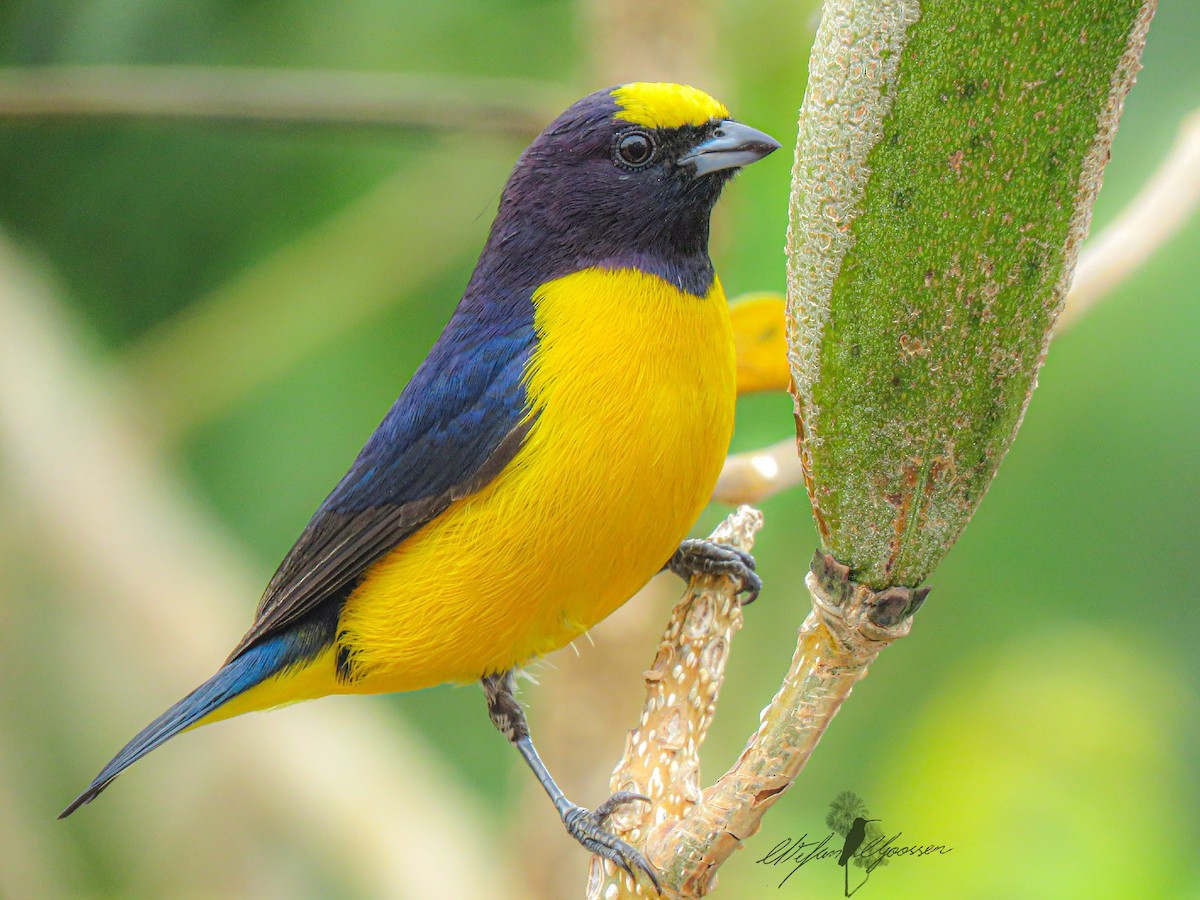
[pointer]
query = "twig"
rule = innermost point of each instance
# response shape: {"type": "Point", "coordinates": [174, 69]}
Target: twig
{"type": "Point", "coordinates": [662, 754]}
{"type": "Point", "coordinates": [755, 475]}
{"type": "Point", "coordinates": [1163, 205]}
{"type": "Point", "coordinates": [840, 638]}
{"type": "Point", "coordinates": [279, 95]}
{"type": "Point", "coordinates": [107, 506]}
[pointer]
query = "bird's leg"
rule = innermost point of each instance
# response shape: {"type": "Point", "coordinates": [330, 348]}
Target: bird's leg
{"type": "Point", "coordinates": [586, 826]}
{"type": "Point", "coordinates": [699, 557]}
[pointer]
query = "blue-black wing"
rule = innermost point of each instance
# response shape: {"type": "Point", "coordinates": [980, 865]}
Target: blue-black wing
{"type": "Point", "coordinates": [457, 424]}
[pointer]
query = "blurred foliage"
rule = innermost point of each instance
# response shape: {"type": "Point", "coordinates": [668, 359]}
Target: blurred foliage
{"type": "Point", "coordinates": [1041, 719]}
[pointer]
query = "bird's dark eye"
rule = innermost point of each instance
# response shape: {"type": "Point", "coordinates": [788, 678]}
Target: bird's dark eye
{"type": "Point", "coordinates": [635, 149]}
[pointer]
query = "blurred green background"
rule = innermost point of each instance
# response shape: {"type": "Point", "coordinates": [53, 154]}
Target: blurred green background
{"type": "Point", "coordinates": [209, 315]}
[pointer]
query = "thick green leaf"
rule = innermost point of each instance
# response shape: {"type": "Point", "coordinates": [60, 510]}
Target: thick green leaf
{"type": "Point", "coordinates": [948, 158]}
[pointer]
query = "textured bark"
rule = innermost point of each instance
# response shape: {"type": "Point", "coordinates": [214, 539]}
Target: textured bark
{"type": "Point", "coordinates": [662, 754]}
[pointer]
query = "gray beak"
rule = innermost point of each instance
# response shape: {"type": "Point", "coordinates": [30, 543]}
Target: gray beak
{"type": "Point", "coordinates": [732, 146]}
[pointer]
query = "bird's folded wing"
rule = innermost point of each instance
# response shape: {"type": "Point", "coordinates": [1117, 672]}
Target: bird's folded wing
{"type": "Point", "coordinates": [458, 423]}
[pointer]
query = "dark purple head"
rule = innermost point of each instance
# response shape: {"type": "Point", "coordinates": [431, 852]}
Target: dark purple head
{"type": "Point", "coordinates": [625, 178]}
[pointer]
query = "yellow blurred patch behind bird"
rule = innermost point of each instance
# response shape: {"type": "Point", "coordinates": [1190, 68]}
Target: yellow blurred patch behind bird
{"type": "Point", "coordinates": [760, 335]}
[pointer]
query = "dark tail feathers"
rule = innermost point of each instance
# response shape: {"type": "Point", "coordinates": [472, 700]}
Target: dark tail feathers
{"type": "Point", "coordinates": [235, 677]}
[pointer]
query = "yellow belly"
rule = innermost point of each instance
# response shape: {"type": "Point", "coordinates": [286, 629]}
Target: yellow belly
{"type": "Point", "coordinates": [633, 382]}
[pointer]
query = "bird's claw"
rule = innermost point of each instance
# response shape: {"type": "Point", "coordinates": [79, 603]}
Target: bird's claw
{"type": "Point", "coordinates": [700, 557]}
{"type": "Point", "coordinates": [604, 811]}
{"type": "Point", "coordinates": [587, 827]}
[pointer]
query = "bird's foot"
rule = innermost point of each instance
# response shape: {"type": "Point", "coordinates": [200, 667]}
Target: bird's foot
{"type": "Point", "coordinates": [699, 557]}
{"type": "Point", "coordinates": [587, 827]}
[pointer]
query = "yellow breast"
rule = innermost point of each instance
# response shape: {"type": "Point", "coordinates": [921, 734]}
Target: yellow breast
{"type": "Point", "coordinates": [633, 386]}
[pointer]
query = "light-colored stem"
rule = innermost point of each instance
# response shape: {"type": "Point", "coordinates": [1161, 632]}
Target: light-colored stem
{"type": "Point", "coordinates": [662, 754]}
{"type": "Point", "coordinates": [688, 834]}
{"type": "Point", "coordinates": [1163, 205]}
{"type": "Point", "coordinates": [278, 95]}
{"type": "Point", "coordinates": [755, 475]}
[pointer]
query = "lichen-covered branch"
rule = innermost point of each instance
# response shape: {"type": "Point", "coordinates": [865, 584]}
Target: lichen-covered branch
{"type": "Point", "coordinates": [1163, 205]}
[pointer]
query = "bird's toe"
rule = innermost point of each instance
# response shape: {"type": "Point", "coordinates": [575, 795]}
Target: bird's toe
{"type": "Point", "coordinates": [700, 557]}
{"type": "Point", "coordinates": [587, 827]}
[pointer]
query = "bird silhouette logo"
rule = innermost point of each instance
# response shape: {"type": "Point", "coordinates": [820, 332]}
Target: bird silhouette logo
{"type": "Point", "coordinates": [848, 816]}
{"type": "Point", "coordinates": [854, 838]}
{"type": "Point", "coordinates": [865, 846]}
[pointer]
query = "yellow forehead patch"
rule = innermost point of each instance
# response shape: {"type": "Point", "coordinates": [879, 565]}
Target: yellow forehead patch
{"type": "Point", "coordinates": [664, 105]}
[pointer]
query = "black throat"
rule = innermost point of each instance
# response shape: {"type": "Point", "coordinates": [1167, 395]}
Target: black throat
{"type": "Point", "coordinates": [549, 226]}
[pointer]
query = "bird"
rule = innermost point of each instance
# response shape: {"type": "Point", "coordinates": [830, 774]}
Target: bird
{"type": "Point", "coordinates": [546, 459]}
{"type": "Point", "coordinates": [854, 838]}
